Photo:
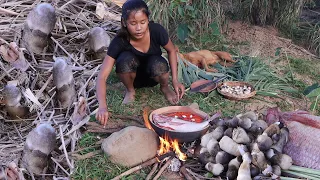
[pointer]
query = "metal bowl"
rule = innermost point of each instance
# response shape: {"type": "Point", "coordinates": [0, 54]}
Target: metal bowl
{"type": "Point", "coordinates": [180, 136]}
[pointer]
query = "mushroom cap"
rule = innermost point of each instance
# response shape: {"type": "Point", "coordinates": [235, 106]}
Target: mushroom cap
{"type": "Point", "coordinates": [99, 40]}
{"type": "Point", "coordinates": [42, 18]}
{"type": "Point", "coordinates": [12, 95]}
{"type": "Point", "coordinates": [42, 138]}
{"type": "Point", "coordinates": [62, 73]}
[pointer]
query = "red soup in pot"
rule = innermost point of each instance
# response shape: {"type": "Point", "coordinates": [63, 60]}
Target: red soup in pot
{"type": "Point", "coordinates": [186, 116]}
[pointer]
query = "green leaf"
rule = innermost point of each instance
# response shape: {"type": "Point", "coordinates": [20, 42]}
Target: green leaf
{"type": "Point", "coordinates": [190, 8]}
{"type": "Point", "coordinates": [278, 51]}
{"type": "Point", "coordinates": [180, 11]}
{"type": "Point", "coordinates": [270, 94]}
{"type": "Point", "coordinates": [311, 88]}
{"type": "Point", "coordinates": [183, 32]}
{"type": "Point", "coordinates": [314, 104]}
{"type": "Point", "coordinates": [314, 93]}
{"type": "Point", "coordinates": [215, 27]}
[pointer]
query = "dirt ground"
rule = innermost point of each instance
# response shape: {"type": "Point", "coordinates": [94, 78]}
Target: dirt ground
{"type": "Point", "coordinates": [262, 41]}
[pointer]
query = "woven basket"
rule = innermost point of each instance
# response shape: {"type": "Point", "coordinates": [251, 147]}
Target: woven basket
{"type": "Point", "coordinates": [234, 96]}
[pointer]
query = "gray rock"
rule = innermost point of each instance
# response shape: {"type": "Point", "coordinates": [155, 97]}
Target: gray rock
{"type": "Point", "coordinates": [131, 146]}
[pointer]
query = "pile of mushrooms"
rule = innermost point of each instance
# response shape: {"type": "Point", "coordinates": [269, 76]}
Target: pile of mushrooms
{"type": "Point", "coordinates": [235, 90]}
{"type": "Point", "coordinates": [245, 147]}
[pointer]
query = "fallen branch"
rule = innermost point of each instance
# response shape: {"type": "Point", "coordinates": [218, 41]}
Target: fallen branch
{"type": "Point", "coordinates": [165, 166]}
{"type": "Point", "coordinates": [145, 164]}
{"type": "Point", "coordinates": [153, 170]}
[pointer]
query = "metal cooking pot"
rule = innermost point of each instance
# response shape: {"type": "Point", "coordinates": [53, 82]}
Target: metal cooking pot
{"type": "Point", "coordinates": [180, 136]}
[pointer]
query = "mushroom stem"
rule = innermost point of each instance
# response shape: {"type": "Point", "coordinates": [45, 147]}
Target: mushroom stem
{"type": "Point", "coordinates": [233, 168]}
{"type": "Point", "coordinates": [215, 169]}
{"type": "Point", "coordinates": [284, 137]}
{"type": "Point", "coordinates": [229, 146]}
{"type": "Point", "coordinates": [244, 169]}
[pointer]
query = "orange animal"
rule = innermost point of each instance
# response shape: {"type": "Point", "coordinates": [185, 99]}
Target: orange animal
{"type": "Point", "coordinates": [205, 58]}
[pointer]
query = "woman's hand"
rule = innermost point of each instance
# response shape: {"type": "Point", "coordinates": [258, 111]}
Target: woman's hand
{"type": "Point", "coordinates": [178, 88]}
{"type": "Point", "coordinates": [102, 116]}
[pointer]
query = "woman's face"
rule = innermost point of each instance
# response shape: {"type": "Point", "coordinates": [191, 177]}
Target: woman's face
{"type": "Point", "coordinates": [137, 24]}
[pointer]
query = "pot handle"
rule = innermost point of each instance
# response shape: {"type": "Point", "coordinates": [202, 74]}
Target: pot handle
{"type": "Point", "coordinates": [214, 118]}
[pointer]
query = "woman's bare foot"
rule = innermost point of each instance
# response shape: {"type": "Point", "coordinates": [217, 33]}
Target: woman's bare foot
{"type": "Point", "coordinates": [169, 94]}
{"type": "Point", "coordinates": [129, 97]}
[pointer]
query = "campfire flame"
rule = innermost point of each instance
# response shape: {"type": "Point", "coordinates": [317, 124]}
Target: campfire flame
{"type": "Point", "coordinates": [146, 119]}
{"type": "Point", "coordinates": [166, 145]}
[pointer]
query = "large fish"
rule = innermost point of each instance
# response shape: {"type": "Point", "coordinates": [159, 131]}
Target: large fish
{"type": "Point", "coordinates": [178, 125]}
{"type": "Point", "coordinates": [304, 136]}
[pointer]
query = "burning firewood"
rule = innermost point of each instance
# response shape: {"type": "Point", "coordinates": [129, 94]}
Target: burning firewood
{"type": "Point", "coordinates": [165, 166]}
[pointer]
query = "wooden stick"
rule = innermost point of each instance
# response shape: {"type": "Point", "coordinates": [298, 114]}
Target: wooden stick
{"type": "Point", "coordinates": [86, 156]}
{"type": "Point", "coordinates": [162, 169]}
{"type": "Point", "coordinates": [81, 123]}
{"type": "Point", "coordinates": [64, 50]}
{"type": "Point", "coordinates": [64, 148]}
{"type": "Point", "coordinates": [85, 85]}
{"type": "Point", "coordinates": [184, 172]}
{"type": "Point", "coordinates": [136, 119]}
{"type": "Point", "coordinates": [143, 165]}
{"type": "Point", "coordinates": [64, 170]}
{"type": "Point", "coordinates": [6, 11]}
{"type": "Point", "coordinates": [153, 170]}
{"type": "Point", "coordinates": [105, 131]}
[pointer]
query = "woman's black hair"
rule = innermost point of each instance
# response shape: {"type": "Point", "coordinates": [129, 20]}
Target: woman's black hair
{"type": "Point", "coordinates": [128, 7]}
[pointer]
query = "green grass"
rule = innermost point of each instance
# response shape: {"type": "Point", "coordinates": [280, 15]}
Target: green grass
{"type": "Point", "coordinates": [306, 67]}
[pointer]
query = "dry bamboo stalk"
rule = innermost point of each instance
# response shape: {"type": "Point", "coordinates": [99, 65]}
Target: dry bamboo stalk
{"type": "Point", "coordinates": [85, 85]}
{"type": "Point", "coordinates": [6, 11]}
{"type": "Point", "coordinates": [153, 170]}
{"type": "Point", "coordinates": [64, 148]}
{"type": "Point", "coordinates": [80, 124]}
{"type": "Point", "coordinates": [64, 50]}
{"type": "Point", "coordinates": [58, 164]}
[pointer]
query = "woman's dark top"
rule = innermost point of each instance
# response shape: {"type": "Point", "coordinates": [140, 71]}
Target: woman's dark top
{"type": "Point", "coordinates": [159, 37]}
